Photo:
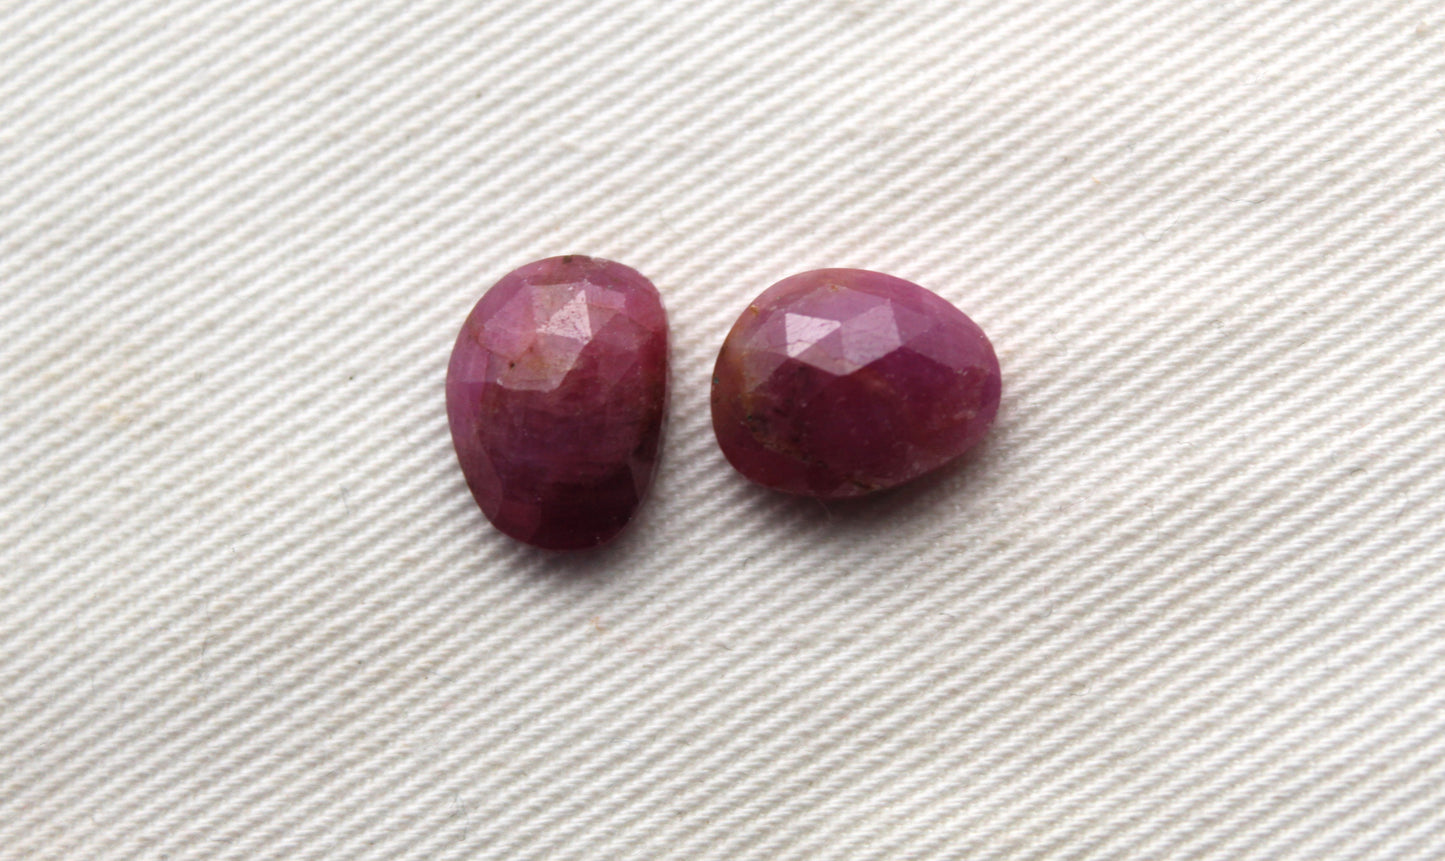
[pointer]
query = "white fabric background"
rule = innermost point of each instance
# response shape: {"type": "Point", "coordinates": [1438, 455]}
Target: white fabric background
{"type": "Point", "coordinates": [1188, 602]}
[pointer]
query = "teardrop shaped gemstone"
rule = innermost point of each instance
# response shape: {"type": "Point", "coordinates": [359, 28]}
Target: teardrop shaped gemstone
{"type": "Point", "coordinates": [555, 395]}
{"type": "Point", "coordinates": [840, 382]}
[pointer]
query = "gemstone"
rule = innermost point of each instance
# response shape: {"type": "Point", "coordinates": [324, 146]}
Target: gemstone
{"type": "Point", "coordinates": [555, 395]}
{"type": "Point", "coordinates": [840, 382]}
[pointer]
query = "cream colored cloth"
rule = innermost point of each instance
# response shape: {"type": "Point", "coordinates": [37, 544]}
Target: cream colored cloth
{"type": "Point", "coordinates": [1187, 603]}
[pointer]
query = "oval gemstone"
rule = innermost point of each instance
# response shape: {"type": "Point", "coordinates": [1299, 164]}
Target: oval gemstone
{"type": "Point", "coordinates": [555, 395]}
{"type": "Point", "coordinates": [841, 382]}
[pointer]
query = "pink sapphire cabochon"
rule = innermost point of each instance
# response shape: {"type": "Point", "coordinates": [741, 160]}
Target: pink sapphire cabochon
{"type": "Point", "coordinates": [555, 394]}
{"type": "Point", "coordinates": [840, 382]}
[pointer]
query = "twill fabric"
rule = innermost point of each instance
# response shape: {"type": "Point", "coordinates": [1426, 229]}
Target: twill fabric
{"type": "Point", "coordinates": [1186, 602]}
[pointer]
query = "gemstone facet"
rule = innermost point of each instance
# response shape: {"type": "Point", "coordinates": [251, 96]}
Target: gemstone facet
{"type": "Point", "coordinates": [556, 393]}
{"type": "Point", "coordinates": [841, 382]}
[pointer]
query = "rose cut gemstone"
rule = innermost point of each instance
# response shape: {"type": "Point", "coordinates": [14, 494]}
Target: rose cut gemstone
{"type": "Point", "coordinates": [841, 382]}
{"type": "Point", "coordinates": [555, 396]}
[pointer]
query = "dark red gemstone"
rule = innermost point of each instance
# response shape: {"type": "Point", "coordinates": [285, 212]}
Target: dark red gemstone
{"type": "Point", "coordinates": [840, 382]}
{"type": "Point", "coordinates": [555, 395]}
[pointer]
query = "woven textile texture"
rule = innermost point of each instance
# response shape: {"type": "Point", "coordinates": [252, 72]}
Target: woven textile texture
{"type": "Point", "coordinates": [1187, 602]}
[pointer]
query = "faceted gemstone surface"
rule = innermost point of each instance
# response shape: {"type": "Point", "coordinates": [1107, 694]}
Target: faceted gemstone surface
{"type": "Point", "coordinates": [840, 382]}
{"type": "Point", "coordinates": [555, 394]}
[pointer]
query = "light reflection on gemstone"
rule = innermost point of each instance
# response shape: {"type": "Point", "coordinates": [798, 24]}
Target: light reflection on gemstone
{"type": "Point", "coordinates": [870, 336]}
{"type": "Point", "coordinates": [804, 332]}
{"type": "Point", "coordinates": [571, 320]}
